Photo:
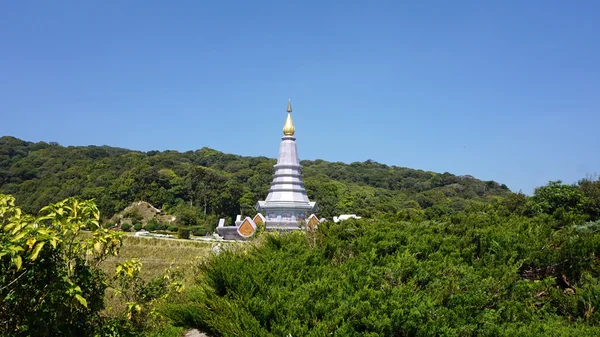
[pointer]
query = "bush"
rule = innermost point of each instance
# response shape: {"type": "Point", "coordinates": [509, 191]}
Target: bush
{"type": "Point", "coordinates": [467, 277]}
{"type": "Point", "coordinates": [138, 226]}
{"type": "Point", "coordinates": [56, 288]}
{"type": "Point", "coordinates": [198, 231]}
{"type": "Point", "coordinates": [183, 233]}
{"type": "Point", "coordinates": [125, 227]}
{"type": "Point", "coordinates": [154, 224]}
{"type": "Point", "coordinates": [173, 228]}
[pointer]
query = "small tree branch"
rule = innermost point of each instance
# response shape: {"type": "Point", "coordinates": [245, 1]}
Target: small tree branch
{"type": "Point", "coordinates": [13, 281]}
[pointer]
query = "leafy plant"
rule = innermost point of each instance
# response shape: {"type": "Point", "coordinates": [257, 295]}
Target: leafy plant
{"type": "Point", "coordinates": [50, 280]}
{"type": "Point", "coordinates": [463, 276]}
{"type": "Point", "coordinates": [183, 233]}
{"type": "Point", "coordinates": [140, 296]}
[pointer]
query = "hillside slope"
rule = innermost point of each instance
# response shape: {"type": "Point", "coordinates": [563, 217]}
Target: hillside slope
{"type": "Point", "coordinates": [220, 184]}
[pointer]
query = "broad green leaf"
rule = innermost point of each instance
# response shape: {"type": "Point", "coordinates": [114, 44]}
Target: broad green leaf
{"type": "Point", "coordinates": [81, 300]}
{"type": "Point", "coordinates": [18, 236]}
{"type": "Point", "coordinates": [17, 228]}
{"type": "Point", "coordinates": [17, 261]}
{"type": "Point", "coordinates": [9, 227]}
{"type": "Point", "coordinates": [36, 250]}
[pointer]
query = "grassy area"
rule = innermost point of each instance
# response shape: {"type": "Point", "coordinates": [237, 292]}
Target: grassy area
{"type": "Point", "coordinates": [157, 254]}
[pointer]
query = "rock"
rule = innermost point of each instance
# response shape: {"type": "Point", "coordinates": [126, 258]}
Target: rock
{"type": "Point", "coordinates": [195, 333]}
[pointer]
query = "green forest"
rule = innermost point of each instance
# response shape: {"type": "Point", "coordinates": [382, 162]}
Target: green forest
{"type": "Point", "coordinates": [435, 254]}
{"type": "Point", "coordinates": [214, 184]}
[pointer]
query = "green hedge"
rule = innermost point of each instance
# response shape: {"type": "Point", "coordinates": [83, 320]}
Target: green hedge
{"type": "Point", "coordinates": [477, 275]}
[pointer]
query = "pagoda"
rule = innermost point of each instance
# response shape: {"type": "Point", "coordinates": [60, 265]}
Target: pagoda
{"type": "Point", "coordinates": [287, 206]}
{"type": "Point", "coordinates": [287, 202]}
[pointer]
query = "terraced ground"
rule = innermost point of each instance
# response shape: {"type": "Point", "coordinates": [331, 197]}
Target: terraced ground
{"type": "Point", "coordinates": [157, 254]}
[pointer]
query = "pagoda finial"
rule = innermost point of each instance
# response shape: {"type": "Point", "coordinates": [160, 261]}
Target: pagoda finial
{"type": "Point", "coordinates": [288, 127]}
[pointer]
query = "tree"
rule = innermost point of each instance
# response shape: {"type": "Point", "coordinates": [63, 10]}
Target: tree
{"type": "Point", "coordinates": [204, 184]}
{"type": "Point", "coordinates": [50, 280]}
{"type": "Point", "coordinates": [590, 188]}
{"type": "Point", "coordinates": [188, 216]}
{"type": "Point", "coordinates": [556, 195]}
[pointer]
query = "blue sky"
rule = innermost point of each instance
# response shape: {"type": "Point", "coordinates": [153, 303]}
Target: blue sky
{"type": "Point", "coordinates": [501, 90]}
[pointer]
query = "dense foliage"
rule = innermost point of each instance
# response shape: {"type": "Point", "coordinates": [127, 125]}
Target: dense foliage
{"type": "Point", "coordinates": [437, 254]}
{"type": "Point", "coordinates": [522, 266]}
{"type": "Point", "coordinates": [51, 283]}
{"type": "Point", "coordinates": [221, 185]}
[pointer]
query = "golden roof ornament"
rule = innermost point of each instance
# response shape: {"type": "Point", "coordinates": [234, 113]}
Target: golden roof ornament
{"type": "Point", "coordinates": [288, 127]}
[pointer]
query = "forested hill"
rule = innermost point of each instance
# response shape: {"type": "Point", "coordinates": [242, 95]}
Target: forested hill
{"type": "Point", "coordinates": [219, 184]}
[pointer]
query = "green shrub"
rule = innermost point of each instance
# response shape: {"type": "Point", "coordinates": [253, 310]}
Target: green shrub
{"type": "Point", "coordinates": [173, 228]}
{"type": "Point", "coordinates": [151, 226]}
{"type": "Point", "coordinates": [466, 276]}
{"type": "Point", "coordinates": [198, 231]}
{"type": "Point", "coordinates": [183, 233]}
{"type": "Point", "coordinates": [138, 226]}
{"type": "Point", "coordinates": [125, 227]}
{"type": "Point", "coordinates": [155, 225]}
{"type": "Point", "coordinates": [167, 331]}
{"type": "Point", "coordinates": [50, 282]}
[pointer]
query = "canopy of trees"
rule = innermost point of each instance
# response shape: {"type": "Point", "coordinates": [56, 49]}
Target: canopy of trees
{"type": "Point", "coordinates": [223, 185]}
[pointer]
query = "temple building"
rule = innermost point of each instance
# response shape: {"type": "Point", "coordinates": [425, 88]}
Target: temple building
{"type": "Point", "coordinates": [287, 206]}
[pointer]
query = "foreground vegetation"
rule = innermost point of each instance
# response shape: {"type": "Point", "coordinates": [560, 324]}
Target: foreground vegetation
{"type": "Point", "coordinates": [522, 267]}
{"type": "Point", "coordinates": [57, 280]}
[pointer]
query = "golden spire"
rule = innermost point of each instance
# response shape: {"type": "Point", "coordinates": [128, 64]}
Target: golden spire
{"type": "Point", "coordinates": [288, 127]}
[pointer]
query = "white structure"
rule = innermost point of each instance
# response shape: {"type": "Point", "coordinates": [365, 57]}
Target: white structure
{"type": "Point", "coordinates": [142, 233]}
{"type": "Point", "coordinates": [345, 217]}
{"type": "Point", "coordinates": [287, 206]}
{"type": "Point", "coordinates": [287, 202]}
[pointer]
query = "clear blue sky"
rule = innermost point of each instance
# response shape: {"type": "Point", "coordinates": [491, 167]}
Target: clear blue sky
{"type": "Point", "coordinates": [501, 90]}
